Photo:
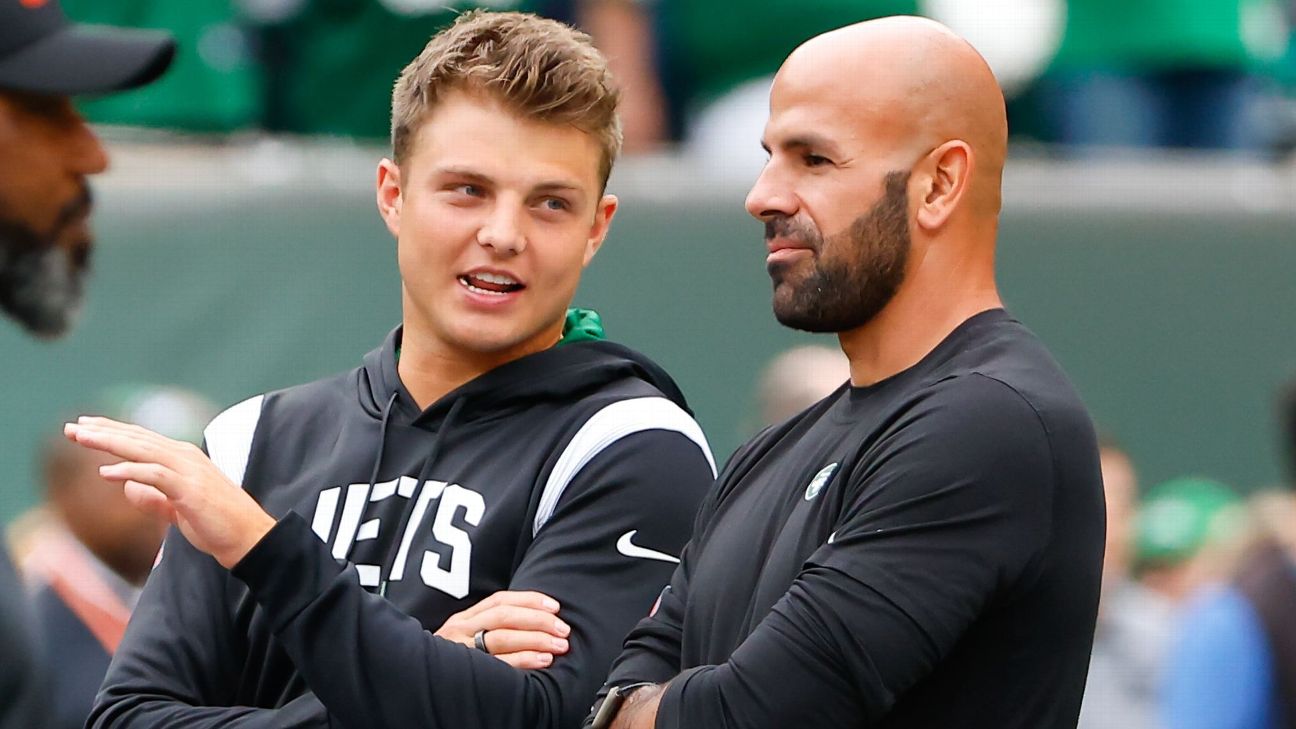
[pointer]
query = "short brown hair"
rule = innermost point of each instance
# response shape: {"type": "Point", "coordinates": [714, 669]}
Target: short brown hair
{"type": "Point", "coordinates": [540, 68]}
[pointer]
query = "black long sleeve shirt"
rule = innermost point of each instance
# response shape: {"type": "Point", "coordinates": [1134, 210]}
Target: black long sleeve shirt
{"type": "Point", "coordinates": [923, 552]}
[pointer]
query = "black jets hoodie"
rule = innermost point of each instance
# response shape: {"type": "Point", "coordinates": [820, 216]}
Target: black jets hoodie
{"type": "Point", "coordinates": [575, 471]}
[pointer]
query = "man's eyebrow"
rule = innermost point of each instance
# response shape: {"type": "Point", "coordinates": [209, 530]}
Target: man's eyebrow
{"type": "Point", "coordinates": [556, 186]}
{"type": "Point", "coordinates": [803, 141]}
{"type": "Point", "coordinates": [809, 140]}
{"type": "Point", "coordinates": [465, 172]}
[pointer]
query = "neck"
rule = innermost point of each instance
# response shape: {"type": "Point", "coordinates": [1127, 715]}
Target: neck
{"type": "Point", "coordinates": [935, 298]}
{"type": "Point", "coordinates": [430, 369]}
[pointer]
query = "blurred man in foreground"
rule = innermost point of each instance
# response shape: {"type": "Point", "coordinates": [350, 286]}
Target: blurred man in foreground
{"type": "Point", "coordinates": [47, 151]}
{"type": "Point", "coordinates": [46, 154]}
{"type": "Point", "coordinates": [924, 547]}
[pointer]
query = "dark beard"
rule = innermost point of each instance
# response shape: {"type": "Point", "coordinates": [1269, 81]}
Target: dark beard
{"type": "Point", "coordinates": [42, 283]}
{"type": "Point", "coordinates": [855, 274]}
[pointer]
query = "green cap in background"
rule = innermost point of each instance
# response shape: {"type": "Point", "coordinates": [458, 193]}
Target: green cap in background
{"type": "Point", "coordinates": [1177, 518]}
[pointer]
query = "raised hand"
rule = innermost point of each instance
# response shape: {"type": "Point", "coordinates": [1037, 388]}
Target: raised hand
{"type": "Point", "coordinates": [177, 481]}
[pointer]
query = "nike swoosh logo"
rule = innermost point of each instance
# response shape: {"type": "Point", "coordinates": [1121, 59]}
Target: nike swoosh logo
{"type": "Point", "coordinates": [626, 546]}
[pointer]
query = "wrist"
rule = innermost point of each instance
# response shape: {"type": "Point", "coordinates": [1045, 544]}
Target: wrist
{"type": "Point", "coordinates": [610, 713]}
{"type": "Point", "coordinates": [250, 533]}
{"type": "Point", "coordinates": [640, 708]}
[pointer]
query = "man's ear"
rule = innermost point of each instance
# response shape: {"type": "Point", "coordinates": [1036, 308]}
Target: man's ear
{"type": "Point", "coordinates": [949, 171]}
{"type": "Point", "coordinates": [603, 215]}
{"type": "Point", "coordinates": [389, 195]}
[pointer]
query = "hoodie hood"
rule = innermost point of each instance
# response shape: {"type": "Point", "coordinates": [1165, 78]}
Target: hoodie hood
{"type": "Point", "coordinates": [565, 372]}
{"type": "Point", "coordinates": [583, 363]}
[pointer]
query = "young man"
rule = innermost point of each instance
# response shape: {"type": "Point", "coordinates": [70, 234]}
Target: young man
{"type": "Point", "coordinates": [492, 443]}
{"type": "Point", "coordinates": [923, 547]}
{"type": "Point", "coordinates": [46, 155]}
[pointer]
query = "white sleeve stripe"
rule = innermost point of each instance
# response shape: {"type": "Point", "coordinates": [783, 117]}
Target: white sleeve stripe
{"type": "Point", "coordinates": [229, 437]}
{"type": "Point", "coordinates": [606, 427]}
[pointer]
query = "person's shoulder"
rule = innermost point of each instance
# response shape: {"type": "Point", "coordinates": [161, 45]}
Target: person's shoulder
{"type": "Point", "coordinates": [229, 436]}
{"type": "Point", "coordinates": [624, 392]}
{"type": "Point", "coordinates": [980, 401]}
{"type": "Point", "coordinates": [997, 416]}
{"type": "Point", "coordinates": [967, 428]}
{"type": "Point", "coordinates": [1005, 374]}
{"type": "Point", "coordinates": [310, 397]}
{"type": "Point", "coordinates": [625, 408]}
{"type": "Point", "coordinates": [1010, 353]}
{"type": "Point", "coordinates": [336, 389]}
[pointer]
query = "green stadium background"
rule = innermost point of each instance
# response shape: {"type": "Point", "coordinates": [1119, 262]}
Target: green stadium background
{"type": "Point", "coordinates": [1176, 319]}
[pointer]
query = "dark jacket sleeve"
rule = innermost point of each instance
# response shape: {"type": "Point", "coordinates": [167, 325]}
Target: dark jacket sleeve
{"type": "Point", "coordinates": [178, 662]}
{"type": "Point", "coordinates": [374, 666]}
{"type": "Point", "coordinates": [936, 529]}
{"type": "Point", "coordinates": [652, 650]}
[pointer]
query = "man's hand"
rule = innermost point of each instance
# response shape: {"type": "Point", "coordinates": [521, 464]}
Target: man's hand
{"type": "Point", "coordinates": [177, 481]}
{"type": "Point", "coordinates": [523, 628]}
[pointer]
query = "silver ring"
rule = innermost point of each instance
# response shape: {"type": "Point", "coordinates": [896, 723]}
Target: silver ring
{"type": "Point", "coordinates": [479, 641]}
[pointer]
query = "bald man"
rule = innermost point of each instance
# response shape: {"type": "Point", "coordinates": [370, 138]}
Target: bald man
{"type": "Point", "coordinates": [923, 547]}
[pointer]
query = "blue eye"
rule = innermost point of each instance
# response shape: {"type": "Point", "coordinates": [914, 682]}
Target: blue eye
{"type": "Point", "coordinates": [469, 189]}
{"type": "Point", "coordinates": [555, 204]}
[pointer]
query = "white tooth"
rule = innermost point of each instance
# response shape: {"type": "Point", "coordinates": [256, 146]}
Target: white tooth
{"type": "Point", "coordinates": [495, 278]}
{"type": "Point", "coordinates": [483, 291]}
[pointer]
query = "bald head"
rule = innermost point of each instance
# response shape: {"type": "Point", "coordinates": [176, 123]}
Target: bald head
{"type": "Point", "coordinates": [913, 86]}
{"type": "Point", "coordinates": [880, 196]}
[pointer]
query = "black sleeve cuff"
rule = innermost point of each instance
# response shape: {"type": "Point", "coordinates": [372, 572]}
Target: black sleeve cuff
{"type": "Point", "coordinates": [287, 569]}
{"type": "Point", "coordinates": [670, 712]}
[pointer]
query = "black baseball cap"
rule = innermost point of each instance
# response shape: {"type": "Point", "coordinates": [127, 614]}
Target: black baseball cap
{"type": "Point", "coordinates": [42, 52]}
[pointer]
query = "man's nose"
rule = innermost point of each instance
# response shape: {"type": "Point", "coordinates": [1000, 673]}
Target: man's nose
{"type": "Point", "coordinates": [86, 154]}
{"type": "Point", "coordinates": [769, 198]}
{"type": "Point", "coordinates": [502, 231]}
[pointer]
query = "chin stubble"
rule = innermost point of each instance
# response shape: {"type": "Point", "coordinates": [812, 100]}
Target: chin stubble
{"type": "Point", "coordinates": [41, 282]}
{"type": "Point", "coordinates": [854, 274]}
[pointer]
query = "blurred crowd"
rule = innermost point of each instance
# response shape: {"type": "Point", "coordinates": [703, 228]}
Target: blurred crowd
{"type": "Point", "coordinates": [1085, 74]}
{"type": "Point", "coordinates": [1195, 627]}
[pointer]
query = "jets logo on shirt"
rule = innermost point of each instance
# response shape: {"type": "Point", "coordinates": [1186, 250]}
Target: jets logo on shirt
{"type": "Point", "coordinates": [820, 480]}
{"type": "Point", "coordinates": [443, 508]}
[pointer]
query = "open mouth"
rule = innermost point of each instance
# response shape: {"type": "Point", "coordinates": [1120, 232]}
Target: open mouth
{"type": "Point", "coordinates": [491, 284]}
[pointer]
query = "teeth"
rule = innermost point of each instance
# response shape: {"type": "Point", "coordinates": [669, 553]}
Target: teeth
{"type": "Point", "coordinates": [468, 284]}
{"type": "Point", "coordinates": [495, 278]}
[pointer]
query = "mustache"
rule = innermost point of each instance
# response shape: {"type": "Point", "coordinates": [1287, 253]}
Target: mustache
{"type": "Point", "coordinates": [782, 226]}
{"type": "Point", "coordinates": [77, 209]}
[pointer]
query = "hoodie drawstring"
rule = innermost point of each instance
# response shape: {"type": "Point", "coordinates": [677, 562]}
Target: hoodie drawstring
{"type": "Point", "coordinates": [392, 549]}
{"type": "Point", "coordinates": [382, 442]}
